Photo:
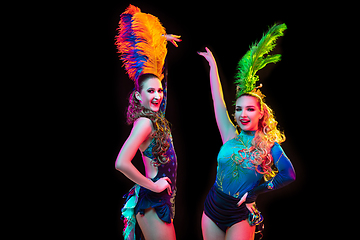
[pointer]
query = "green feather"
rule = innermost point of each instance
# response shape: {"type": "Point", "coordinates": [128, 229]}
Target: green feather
{"type": "Point", "coordinates": [257, 58]}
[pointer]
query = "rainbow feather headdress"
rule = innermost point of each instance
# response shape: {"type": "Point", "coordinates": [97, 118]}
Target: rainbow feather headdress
{"type": "Point", "coordinates": [141, 42]}
{"type": "Point", "coordinates": [255, 59]}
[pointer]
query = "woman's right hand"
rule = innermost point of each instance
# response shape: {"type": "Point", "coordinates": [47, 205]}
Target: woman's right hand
{"type": "Point", "coordinates": [162, 184]}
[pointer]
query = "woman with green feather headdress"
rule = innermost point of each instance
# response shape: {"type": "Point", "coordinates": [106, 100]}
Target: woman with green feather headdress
{"type": "Point", "coordinates": [249, 156]}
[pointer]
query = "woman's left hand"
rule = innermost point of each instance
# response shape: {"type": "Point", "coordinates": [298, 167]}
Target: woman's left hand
{"type": "Point", "coordinates": [173, 39]}
{"type": "Point", "coordinates": [249, 206]}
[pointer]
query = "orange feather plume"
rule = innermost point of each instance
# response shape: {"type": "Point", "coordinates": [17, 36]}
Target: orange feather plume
{"type": "Point", "coordinates": [142, 43]}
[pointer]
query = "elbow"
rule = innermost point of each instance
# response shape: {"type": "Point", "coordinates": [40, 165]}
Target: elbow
{"type": "Point", "coordinates": [119, 166]}
{"type": "Point", "coordinates": [289, 177]}
{"type": "Point", "coordinates": [292, 176]}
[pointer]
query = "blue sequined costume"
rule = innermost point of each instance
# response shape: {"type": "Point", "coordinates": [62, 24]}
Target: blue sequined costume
{"type": "Point", "coordinates": [139, 198]}
{"type": "Point", "coordinates": [163, 203]}
{"type": "Point", "coordinates": [236, 175]}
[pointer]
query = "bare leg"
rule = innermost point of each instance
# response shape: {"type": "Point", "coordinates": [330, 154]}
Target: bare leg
{"type": "Point", "coordinates": [154, 228]}
{"type": "Point", "coordinates": [210, 230]}
{"type": "Point", "coordinates": [240, 231]}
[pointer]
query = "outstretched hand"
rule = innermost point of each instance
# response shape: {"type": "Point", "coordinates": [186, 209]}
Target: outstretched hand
{"type": "Point", "coordinates": [249, 206]}
{"type": "Point", "coordinates": [173, 39]}
{"type": "Point", "coordinates": [208, 56]}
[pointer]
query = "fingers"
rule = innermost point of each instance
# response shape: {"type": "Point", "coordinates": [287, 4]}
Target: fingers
{"type": "Point", "coordinates": [243, 198]}
{"type": "Point", "coordinates": [173, 39]}
{"type": "Point", "coordinates": [207, 53]}
{"type": "Point", "coordinates": [167, 179]}
{"type": "Point", "coordinates": [204, 54]}
{"type": "Point", "coordinates": [174, 43]}
{"type": "Point", "coordinates": [169, 186]}
{"type": "Point", "coordinates": [169, 190]}
{"type": "Point", "coordinates": [250, 207]}
{"type": "Point", "coordinates": [176, 36]}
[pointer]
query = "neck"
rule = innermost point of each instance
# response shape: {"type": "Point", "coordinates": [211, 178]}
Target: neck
{"type": "Point", "coordinates": [249, 133]}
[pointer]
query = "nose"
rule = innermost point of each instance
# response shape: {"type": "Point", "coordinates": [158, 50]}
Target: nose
{"type": "Point", "coordinates": [157, 95]}
{"type": "Point", "coordinates": [243, 113]}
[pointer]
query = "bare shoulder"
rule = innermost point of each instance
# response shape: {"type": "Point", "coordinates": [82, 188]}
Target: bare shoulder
{"type": "Point", "coordinates": [143, 121]}
{"type": "Point", "coordinates": [142, 126]}
{"type": "Point", "coordinates": [142, 129]}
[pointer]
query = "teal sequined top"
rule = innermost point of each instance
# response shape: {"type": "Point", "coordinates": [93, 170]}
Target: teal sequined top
{"type": "Point", "coordinates": [237, 175]}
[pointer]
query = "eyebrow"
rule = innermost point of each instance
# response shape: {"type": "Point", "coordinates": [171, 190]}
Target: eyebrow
{"type": "Point", "coordinates": [246, 106]}
{"type": "Point", "coordinates": [152, 88]}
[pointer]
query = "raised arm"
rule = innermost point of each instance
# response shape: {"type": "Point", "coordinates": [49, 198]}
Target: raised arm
{"type": "Point", "coordinates": [225, 125]}
{"type": "Point", "coordinates": [173, 39]}
{"type": "Point", "coordinates": [141, 130]}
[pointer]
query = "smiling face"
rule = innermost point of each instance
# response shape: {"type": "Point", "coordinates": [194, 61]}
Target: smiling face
{"type": "Point", "coordinates": [151, 94]}
{"type": "Point", "coordinates": [248, 113]}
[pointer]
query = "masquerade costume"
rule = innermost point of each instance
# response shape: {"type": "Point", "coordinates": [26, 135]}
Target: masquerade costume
{"type": "Point", "coordinates": [235, 177]}
{"type": "Point", "coordinates": [236, 171]}
{"type": "Point", "coordinates": [142, 43]}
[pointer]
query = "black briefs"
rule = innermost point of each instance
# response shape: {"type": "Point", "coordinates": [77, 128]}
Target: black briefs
{"type": "Point", "coordinates": [222, 209]}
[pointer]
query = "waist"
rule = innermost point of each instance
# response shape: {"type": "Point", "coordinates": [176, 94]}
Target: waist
{"type": "Point", "coordinates": [167, 170]}
{"type": "Point", "coordinates": [222, 205]}
{"type": "Point", "coordinates": [172, 179]}
{"type": "Point", "coordinates": [224, 195]}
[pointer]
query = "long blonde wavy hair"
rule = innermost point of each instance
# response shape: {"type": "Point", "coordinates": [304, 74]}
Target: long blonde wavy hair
{"type": "Point", "coordinates": [265, 137]}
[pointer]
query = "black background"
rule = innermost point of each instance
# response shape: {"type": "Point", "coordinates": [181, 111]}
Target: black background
{"type": "Point", "coordinates": [295, 88]}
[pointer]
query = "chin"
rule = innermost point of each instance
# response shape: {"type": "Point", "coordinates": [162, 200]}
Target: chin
{"type": "Point", "coordinates": [247, 128]}
{"type": "Point", "coordinates": [155, 109]}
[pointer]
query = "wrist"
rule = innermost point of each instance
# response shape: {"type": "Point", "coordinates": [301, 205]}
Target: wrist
{"type": "Point", "coordinates": [213, 66]}
{"type": "Point", "coordinates": [153, 187]}
{"type": "Point", "coordinates": [251, 197]}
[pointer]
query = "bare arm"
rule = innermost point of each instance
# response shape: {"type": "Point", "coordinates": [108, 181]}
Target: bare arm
{"type": "Point", "coordinates": [141, 130]}
{"type": "Point", "coordinates": [226, 127]}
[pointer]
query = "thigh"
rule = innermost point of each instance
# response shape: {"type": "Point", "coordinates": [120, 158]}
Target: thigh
{"type": "Point", "coordinates": [210, 230]}
{"type": "Point", "coordinates": [153, 227]}
{"type": "Point", "coordinates": [241, 231]}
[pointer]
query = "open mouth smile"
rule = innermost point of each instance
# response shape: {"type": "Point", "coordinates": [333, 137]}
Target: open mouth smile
{"type": "Point", "coordinates": [155, 103]}
{"type": "Point", "coordinates": [244, 121]}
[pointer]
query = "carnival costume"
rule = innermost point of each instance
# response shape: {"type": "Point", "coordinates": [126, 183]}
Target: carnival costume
{"type": "Point", "coordinates": [141, 41]}
{"type": "Point", "coordinates": [236, 171]}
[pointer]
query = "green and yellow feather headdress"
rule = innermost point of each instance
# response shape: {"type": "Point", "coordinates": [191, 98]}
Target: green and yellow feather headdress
{"type": "Point", "coordinates": [255, 59]}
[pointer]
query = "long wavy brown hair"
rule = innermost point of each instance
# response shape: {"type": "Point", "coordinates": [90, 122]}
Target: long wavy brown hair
{"type": "Point", "coordinates": [161, 125]}
{"type": "Point", "coordinates": [265, 137]}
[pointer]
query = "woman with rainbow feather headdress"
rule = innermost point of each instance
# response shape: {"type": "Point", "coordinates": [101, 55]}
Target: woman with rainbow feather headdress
{"type": "Point", "coordinates": [141, 41]}
{"type": "Point", "coordinates": [245, 158]}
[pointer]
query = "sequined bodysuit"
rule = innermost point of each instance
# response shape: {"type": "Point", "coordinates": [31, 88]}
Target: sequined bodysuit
{"type": "Point", "coordinates": [236, 175]}
{"type": "Point", "coordinates": [168, 169]}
